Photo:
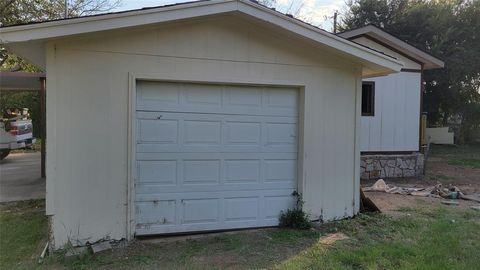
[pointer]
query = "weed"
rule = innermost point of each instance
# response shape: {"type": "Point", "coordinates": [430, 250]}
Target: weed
{"type": "Point", "coordinates": [295, 218]}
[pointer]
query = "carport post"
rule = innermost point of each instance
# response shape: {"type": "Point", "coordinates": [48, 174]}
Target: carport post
{"type": "Point", "coordinates": [42, 123]}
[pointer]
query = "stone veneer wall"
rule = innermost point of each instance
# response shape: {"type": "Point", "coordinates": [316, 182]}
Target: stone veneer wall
{"type": "Point", "coordinates": [390, 166]}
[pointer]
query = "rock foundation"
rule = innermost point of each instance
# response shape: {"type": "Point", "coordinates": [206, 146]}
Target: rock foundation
{"type": "Point", "coordinates": [391, 166]}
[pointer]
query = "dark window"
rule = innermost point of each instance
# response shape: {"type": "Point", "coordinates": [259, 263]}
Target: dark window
{"type": "Point", "coordinates": [368, 98]}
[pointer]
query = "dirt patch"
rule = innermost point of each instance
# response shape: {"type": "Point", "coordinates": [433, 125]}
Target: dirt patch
{"type": "Point", "coordinates": [394, 204]}
{"type": "Point", "coordinates": [332, 238]}
{"type": "Point", "coordinates": [247, 249]}
{"type": "Point", "coordinates": [467, 179]}
{"type": "Point", "coordinates": [438, 170]}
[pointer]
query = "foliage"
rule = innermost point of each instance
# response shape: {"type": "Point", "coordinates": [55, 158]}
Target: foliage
{"type": "Point", "coordinates": [27, 11]}
{"type": "Point", "coordinates": [446, 29]}
{"type": "Point", "coordinates": [295, 218]}
{"type": "Point", "coordinates": [376, 12]}
{"type": "Point", "coordinates": [23, 99]}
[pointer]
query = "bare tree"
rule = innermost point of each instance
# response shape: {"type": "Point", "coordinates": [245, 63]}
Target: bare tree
{"type": "Point", "coordinates": [292, 7]}
{"type": "Point", "coordinates": [24, 11]}
{"type": "Point", "coordinates": [88, 7]}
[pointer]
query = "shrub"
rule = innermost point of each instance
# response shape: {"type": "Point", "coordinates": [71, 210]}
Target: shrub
{"type": "Point", "coordinates": [295, 218]}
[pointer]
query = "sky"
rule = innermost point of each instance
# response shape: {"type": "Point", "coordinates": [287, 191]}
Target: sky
{"type": "Point", "coordinates": [317, 12]}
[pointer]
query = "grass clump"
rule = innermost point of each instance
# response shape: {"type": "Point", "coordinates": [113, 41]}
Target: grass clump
{"type": "Point", "coordinates": [295, 218]}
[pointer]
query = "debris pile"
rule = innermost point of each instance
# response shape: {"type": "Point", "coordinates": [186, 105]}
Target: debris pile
{"type": "Point", "coordinates": [436, 191]}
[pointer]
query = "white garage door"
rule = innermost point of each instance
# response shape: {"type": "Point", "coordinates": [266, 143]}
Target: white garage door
{"type": "Point", "coordinates": [212, 157]}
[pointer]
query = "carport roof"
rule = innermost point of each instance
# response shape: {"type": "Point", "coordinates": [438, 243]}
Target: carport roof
{"type": "Point", "coordinates": [29, 40]}
{"type": "Point", "coordinates": [21, 80]}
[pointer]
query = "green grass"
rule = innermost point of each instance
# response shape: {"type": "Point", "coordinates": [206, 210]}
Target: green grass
{"type": "Point", "coordinates": [427, 239]}
{"type": "Point", "coordinates": [469, 163]}
{"type": "Point", "coordinates": [441, 238]}
{"type": "Point", "coordinates": [467, 156]}
{"type": "Point", "coordinates": [23, 231]}
{"type": "Point", "coordinates": [249, 249]}
{"type": "Point", "coordinates": [469, 151]}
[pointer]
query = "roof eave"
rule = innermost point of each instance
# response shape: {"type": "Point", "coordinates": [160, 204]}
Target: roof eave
{"type": "Point", "coordinates": [429, 61]}
{"type": "Point", "coordinates": [33, 34]}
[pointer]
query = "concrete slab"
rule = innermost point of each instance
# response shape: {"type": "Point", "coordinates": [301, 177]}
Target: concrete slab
{"type": "Point", "coordinates": [101, 246]}
{"type": "Point", "coordinates": [20, 178]}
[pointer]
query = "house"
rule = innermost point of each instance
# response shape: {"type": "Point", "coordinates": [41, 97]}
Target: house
{"type": "Point", "coordinates": [392, 107]}
{"type": "Point", "coordinates": [196, 117]}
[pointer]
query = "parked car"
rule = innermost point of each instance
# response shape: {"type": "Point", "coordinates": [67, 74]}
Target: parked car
{"type": "Point", "coordinates": [7, 141]}
{"type": "Point", "coordinates": [16, 131]}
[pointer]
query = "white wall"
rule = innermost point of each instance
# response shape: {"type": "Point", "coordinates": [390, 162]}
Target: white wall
{"type": "Point", "coordinates": [396, 123]}
{"type": "Point", "coordinates": [440, 135]}
{"type": "Point", "coordinates": [88, 114]}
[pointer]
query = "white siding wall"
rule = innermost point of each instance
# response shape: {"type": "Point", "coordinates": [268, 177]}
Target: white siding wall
{"type": "Point", "coordinates": [88, 114]}
{"type": "Point", "coordinates": [395, 126]}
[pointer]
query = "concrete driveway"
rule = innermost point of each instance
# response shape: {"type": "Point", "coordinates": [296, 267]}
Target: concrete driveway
{"type": "Point", "coordinates": [20, 178]}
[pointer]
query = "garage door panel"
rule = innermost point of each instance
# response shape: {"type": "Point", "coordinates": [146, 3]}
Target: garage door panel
{"type": "Point", "coordinates": [200, 211]}
{"type": "Point", "coordinates": [241, 209]}
{"type": "Point", "coordinates": [200, 172]}
{"type": "Point", "coordinates": [206, 194]}
{"type": "Point", "coordinates": [285, 98]}
{"type": "Point", "coordinates": [156, 115]}
{"type": "Point", "coordinates": [200, 95]}
{"type": "Point", "coordinates": [280, 170]}
{"type": "Point", "coordinates": [275, 204]}
{"type": "Point", "coordinates": [212, 148]}
{"type": "Point", "coordinates": [156, 192]}
{"type": "Point", "coordinates": [246, 171]}
{"type": "Point", "coordinates": [156, 212]}
{"type": "Point", "coordinates": [150, 93]}
{"type": "Point", "coordinates": [158, 172]}
{"type": "Point", "coordinates": [201, 133]}
{"type": "Point", "coordinates": [221, 99]}
{"type": "Point", "coordinates": [179, 132]}
{"type": "Point", "coordinates": [281, 134]}
{"type": "Point", "coordinates": [213, 157]}
{"type": "Point", "coordinates": [184, 228]}
{"type": "Point", "coordinates": [212, 211]}
{"type": "Point", "coordinates": [243, 96]}
{"type": "Point", "coordinates": [249, 210]}
{"type": "Point", "coordinates": [157, 131]}
{"type": "Point", "coordinates": [223, 173]}
{"type": "Point", "coordinates": [243, 133]}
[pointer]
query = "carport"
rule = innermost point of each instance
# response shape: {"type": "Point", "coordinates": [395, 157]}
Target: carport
{"type": "Point", "coordinates": [28, 81]}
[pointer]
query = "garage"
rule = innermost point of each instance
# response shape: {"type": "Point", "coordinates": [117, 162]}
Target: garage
{"type": "Point", "coordinates": [202, 116]}
{"type": "Point", "coordinates": [213, 157]}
